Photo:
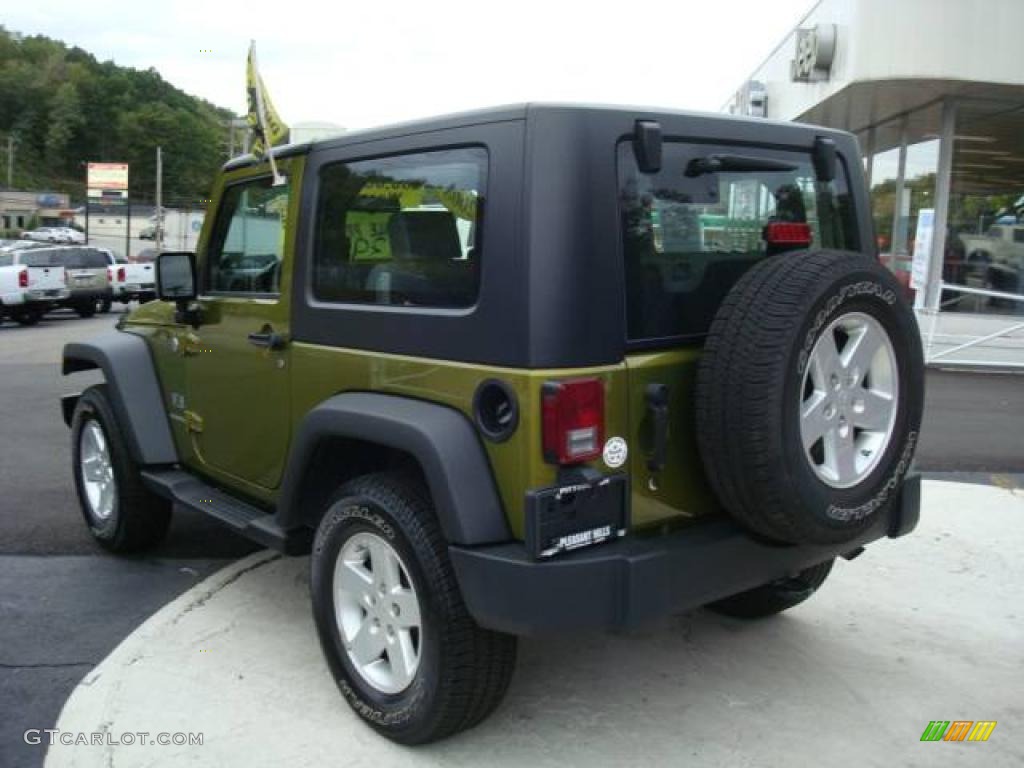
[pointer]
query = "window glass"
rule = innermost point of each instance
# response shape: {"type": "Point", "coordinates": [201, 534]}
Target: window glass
{"type": "Point", "coordinates": [688, 237]}
{"type": "Point", "coordinates": [1018, 235]}
{"type": "Point", "coordinates": [402, 231]}
{"type": "Point", "coordinates": [38, 258]}
{"type": "Point", "coordinates": [6, 259]}
{"type": "Point", "coordinates": [247, 246]}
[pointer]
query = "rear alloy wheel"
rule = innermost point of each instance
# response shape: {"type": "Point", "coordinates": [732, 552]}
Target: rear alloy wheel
{"type": "Point", "coordinates": [395, 632]}
{"type": "Point", "coordinates": [378, 612]}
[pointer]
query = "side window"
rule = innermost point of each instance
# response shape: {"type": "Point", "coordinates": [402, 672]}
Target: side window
{"type": "Point", "coordinates": [401, 230]}
{"type": "Point", "coordinates": [690, 232]}
{"type": "Point", "coordinates": [1018, 235]}
{"type": "Point", "coordinates": [247, 245]}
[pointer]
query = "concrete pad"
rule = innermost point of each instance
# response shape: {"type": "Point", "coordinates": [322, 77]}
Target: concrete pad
{"type": "Point", "coordinates": [930, 627]}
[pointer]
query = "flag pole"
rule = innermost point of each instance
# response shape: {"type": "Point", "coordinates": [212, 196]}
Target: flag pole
{"type": "Point", "coordinates": [262, 115]}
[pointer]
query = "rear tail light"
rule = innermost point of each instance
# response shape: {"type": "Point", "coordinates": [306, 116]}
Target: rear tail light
{"type": "Point", "coordinates": [23, 279]}
{"type": "Point", "coordinates": [788, 233]}
{"type": "Point", "coordinates": [110, 275]}
{"type": "Point", "coordinates": [120, 274]}
{"type": "Point", "coordinates": [573, 420]}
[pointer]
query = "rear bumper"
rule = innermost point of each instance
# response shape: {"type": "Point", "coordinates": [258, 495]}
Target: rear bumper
{"type": "Point", "coordinates": [142, 291]}
{"type": "Point", "coordinates": [86, 295]}
{"type": "Point", "coordinates": [637, 579]}
{"type": "Point", "coordinates": [56, 294]}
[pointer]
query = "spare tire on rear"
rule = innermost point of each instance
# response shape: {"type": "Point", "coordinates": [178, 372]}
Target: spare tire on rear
{"type": "Point", "coordinates": [809, 396]}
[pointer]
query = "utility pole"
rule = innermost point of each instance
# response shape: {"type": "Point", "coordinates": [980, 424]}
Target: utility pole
{"type": "Point", "coordinates": [159, 239]}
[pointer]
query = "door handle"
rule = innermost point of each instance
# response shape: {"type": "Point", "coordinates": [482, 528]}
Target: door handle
{"type": "Point", "coordinates": [656, 396]}
{"type": "Point", "coordinates": [268, 339]}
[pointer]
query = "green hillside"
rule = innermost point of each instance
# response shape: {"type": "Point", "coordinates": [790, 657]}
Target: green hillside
{"type": "Point", "coordinates": [65, 108]}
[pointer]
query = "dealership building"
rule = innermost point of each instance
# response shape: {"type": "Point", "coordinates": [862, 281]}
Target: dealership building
{"type": "Point", "coordinates": [934, 91]}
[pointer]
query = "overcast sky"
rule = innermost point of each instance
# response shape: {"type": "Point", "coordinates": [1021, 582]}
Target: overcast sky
{"type": "Point", "coordinates": [360, 64]}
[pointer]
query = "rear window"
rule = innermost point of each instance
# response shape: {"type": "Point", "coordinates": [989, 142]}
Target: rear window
{"type": "Point", "coordinates": [687, 239]}
{"type": "Point", "coordinates": [6, 260]}
{"type": "Point", "coordinates": [80, 258]}
{"type": "Point", "coordinates": [38, 258]}
{"type": "Point", "coordinates": [401, 230]}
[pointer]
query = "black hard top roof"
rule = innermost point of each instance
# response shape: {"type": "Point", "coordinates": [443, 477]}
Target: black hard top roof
{"type": "Point", "coordinates": [501, 114]}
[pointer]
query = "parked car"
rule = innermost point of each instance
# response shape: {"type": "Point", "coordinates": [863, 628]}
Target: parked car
{"type": "Point", "coordinates": [17, 245]}
{"type": "Point", "coordinates": [148, 233]}
{"type": "Point", "coordinates": [55, 235]}
{"type": "Point", "coordinates": [88, 278]}
{"type": "Point", "coordinates": [528, 369]}
{"type": "Point", "coordinates": [128, 282]}
{"type": "Point", "coordinates": [29, 286]}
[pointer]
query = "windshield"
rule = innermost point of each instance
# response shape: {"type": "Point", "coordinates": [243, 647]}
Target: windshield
{"type": "Point", "coordinates": [688, 238]}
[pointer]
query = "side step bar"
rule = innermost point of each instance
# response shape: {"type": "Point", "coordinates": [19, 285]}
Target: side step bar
{"type": "Point", "coordinates": [249, 520]}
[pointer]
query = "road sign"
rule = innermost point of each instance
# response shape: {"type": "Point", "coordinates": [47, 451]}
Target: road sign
{"type": "Point", "coordinates": [108, 176]}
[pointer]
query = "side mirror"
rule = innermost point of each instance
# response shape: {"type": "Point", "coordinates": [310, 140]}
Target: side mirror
{"type": "Point", "coordinates": [176, 281]}
{"type": "Point", "coordinates": [176, 276]}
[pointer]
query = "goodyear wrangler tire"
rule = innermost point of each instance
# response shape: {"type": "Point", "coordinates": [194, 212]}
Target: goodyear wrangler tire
{"type": "Point", "coordinates": [809, 396]}
{"type": "Point", "coordinates": [403, 649]}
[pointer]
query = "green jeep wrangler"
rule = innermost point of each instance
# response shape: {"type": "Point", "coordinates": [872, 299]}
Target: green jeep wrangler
{"type": "Point", "coordinates": [522, 370]}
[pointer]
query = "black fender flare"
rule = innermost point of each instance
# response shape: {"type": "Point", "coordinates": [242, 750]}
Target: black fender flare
{"type": "Point", "coordinates": [440, 439]}
{"type": "Point", "coordinates": [127, 365]}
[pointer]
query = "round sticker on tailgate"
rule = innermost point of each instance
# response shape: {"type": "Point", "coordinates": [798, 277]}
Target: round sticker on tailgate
{"type": "Point", "coordinates": [615, 452]}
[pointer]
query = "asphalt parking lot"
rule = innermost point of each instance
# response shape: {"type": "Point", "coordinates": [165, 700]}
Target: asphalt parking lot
{"type": "Point", "coordinates": [65, 604]}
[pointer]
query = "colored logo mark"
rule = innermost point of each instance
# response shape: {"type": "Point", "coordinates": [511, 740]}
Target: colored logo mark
{"type": "Point", "coordinates": [958, 730]}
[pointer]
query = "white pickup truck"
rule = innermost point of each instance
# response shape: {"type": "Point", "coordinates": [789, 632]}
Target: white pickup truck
{"type": "Point", "coordinates": [29, 286]}
{"type": "Point", "coordinates": [129, 281]}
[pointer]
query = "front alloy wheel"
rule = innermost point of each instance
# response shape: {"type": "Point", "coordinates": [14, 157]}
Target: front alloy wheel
{"type": "Point", "coordinates": [97, 470]}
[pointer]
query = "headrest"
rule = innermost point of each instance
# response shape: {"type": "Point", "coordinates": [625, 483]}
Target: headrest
{"type": "Point", "coordinates": [424, 236]}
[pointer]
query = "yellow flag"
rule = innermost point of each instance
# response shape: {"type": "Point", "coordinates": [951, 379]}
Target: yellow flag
{"type": "Point", "coordinates": [268, 130]}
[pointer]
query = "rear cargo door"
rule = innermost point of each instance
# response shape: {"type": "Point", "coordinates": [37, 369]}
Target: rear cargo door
{"type": "Point", "coordinates": [689, 232]}
{"type": "Point", "coordinates": [45, 276]}
{"type": "Point", "coordinates": [46, 280]}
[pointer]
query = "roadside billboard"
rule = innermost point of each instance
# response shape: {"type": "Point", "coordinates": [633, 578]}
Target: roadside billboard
{"type": "Point", "coordinates": [107, 180]}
